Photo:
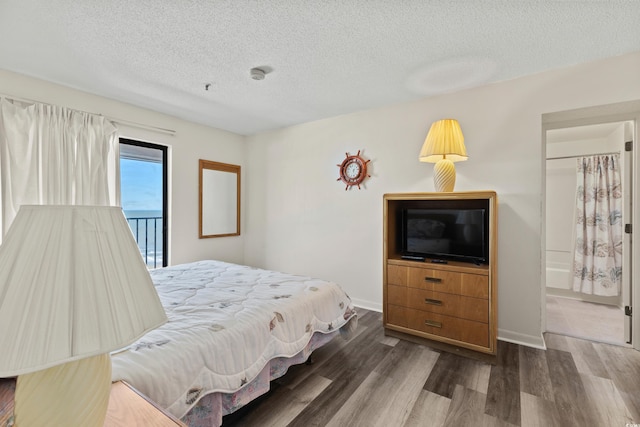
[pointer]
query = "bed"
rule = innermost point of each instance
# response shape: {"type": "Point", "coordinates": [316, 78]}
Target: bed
{"type": "Point", "coordinates": [231, 330]}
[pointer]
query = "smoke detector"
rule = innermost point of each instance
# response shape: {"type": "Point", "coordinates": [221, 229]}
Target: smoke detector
{"type": "Point", "coordinates": [257, 74]}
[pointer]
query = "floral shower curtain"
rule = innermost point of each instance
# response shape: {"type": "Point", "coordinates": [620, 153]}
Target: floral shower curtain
{"type": "Point", "coordinates": [597, 265]}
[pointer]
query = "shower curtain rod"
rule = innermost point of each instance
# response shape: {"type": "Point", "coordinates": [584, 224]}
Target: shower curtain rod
{"type": "Point", "coordinates": [584, 155]}
{"type": "Point", "coordinates": [170, 132]}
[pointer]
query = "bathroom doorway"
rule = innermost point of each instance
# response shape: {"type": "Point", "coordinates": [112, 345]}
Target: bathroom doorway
{"type": "Point", "coordinates": [572, 309]}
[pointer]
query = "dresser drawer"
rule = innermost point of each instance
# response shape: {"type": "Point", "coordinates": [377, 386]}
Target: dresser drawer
{"type": "Point", "coordinates": [451, 282]}
{"type": "Point", "coordinates": [470, 308]}
{"type": "Point", "coordinates": [452, 305]}
{"type": "Point", "coordinates": [455, 328]}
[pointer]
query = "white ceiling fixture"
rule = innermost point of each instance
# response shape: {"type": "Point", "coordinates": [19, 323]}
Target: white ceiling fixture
{"type": "Point", "coordinates": [332, 57]}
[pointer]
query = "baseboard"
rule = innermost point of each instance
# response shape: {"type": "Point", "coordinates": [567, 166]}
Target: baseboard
{"type": "Point", "coordinates": [522, 339]}
{"type": "Point", "coordinates": [369, 305]}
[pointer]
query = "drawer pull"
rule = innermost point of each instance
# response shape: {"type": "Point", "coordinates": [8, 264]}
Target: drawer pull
{"type": "Point", "coordinates": [433, 279]}
{"type": "Point", "coordinates": [432, 301]}
{"type": "Point", "coordinates": [433, 323]}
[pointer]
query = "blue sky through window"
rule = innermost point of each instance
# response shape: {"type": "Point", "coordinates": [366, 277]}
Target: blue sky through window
{"type": "Point", "coordinates": [141, 185]}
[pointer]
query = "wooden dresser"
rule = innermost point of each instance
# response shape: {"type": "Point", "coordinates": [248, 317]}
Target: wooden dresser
{"type": "Point", "coordinates": [454, 303]}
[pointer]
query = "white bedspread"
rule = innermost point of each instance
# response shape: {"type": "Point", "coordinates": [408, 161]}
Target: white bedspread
{"type": "Point", "coordinates": [226, 321]}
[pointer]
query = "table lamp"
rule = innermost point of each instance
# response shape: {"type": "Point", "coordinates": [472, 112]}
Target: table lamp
{"type": "Point", "coordinates": [73, 288]}
{"type": "Point", "coordinates": [443, 146]}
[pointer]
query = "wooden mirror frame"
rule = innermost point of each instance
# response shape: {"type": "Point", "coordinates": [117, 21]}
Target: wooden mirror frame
{"type": "Point", "coordinates": [210, 195]}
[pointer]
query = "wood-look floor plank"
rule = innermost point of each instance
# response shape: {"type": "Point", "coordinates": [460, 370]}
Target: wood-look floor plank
{"type": "Point", "coordinates": [361, 343]}
{"type": "Point", "coordinates": [503, 395]}
{"type": "Point", "coordinates": [608, 407]}
{"type": "Point", "coordinates": [390, 341]}
{"type": "Point", "coordinates": [623, 365]}
{"type": "Point", "coordinates": [369, 318]}
{"type": "Point", "coordinates": [569, 394]}
{"type": "Point", "coordinates": [387, 396]}
{"type": "Point", "coordinates": [350, 357]}
{"type": "Point", "coordinates": [289, 404]}
{"type": "Point", "coordinates": [297, 374]}
{"type": "Point", "coordinates": [586, 357]}
{"type": "Point", "coordinates": [556, 342]}
{"type": "Point", "coordinates": [538, 412]}
{"type": "Point", "coordinates": [408, 360]}
{"type": "Point", "coordinates": [349, 372]}
{"type": "Point", "coordinates": [467, 407]}
{"type": "Point", "coordinates": [357, 382]}
{"type": "Point", "coordinates": [534, 373]}
{"type": "Point", "coordinates": [451, 370]}
{"type": "Point", "coordinates": [429, 406]}
{"type": "Point", "coordinates": [467, 410]}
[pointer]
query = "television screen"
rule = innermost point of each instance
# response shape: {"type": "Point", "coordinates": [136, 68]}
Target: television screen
{"type": "Point", "coordinates": [445, 233]}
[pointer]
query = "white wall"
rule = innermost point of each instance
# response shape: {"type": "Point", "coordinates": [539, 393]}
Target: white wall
{"type": "Point", "coordinates": [190, 143]}
{"type": "Point", "coordinates": [299, 219]}
{"type": "Point", "coordinates": [561, 188]}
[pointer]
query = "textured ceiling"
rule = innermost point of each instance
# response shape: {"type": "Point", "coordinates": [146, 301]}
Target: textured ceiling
{"type": "Point", "coordinates": [323, 58]}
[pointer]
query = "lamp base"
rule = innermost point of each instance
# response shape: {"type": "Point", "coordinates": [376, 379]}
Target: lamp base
{"type": "Point", "coordinates": [444, 175]}
{"type": "Point", "coordinates": [72, 394]}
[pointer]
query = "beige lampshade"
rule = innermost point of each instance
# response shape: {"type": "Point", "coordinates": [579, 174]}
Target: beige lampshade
{"type": "Point", "coordinates": [444, 140]}
{"type": "Point", "coordinates": [72, 285]}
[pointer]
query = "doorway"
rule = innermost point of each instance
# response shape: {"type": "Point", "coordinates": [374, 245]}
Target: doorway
{"type": "Point", "coordinates": [571, 311]}
{"type": "Point", "coordinates": [143, 187]}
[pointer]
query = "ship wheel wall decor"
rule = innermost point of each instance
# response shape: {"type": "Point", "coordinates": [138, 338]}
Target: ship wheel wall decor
{"type": "Point", "coordinates": [353, 170]}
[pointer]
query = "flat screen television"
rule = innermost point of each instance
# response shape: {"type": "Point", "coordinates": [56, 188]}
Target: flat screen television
{"type": "Point", "coordinates": [450, 230]}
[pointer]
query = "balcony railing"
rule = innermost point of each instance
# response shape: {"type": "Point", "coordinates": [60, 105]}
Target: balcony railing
{"type": "Point", "coordinates": [148, 234]}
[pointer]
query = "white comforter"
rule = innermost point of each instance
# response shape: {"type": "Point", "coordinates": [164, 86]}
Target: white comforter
{"type": "Point", "coordinates": [226, 321]}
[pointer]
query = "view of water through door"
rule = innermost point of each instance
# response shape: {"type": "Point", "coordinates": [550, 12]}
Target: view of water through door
{"type": "Point", "coordinates": [143, 182]}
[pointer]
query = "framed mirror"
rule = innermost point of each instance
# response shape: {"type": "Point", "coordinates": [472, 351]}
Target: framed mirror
{"type": "Point", "coordinates": [219, 199]}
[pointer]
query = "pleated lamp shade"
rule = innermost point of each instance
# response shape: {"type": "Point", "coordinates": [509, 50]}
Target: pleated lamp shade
{"type": "Point", "coordinates": [72, 285]}
{"type": "Point", "coordinates": [443, 146]}
{"type": "Point", "coordinates": [444, 140]}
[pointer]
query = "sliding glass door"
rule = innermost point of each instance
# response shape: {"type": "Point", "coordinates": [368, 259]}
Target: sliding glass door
{"type": "Point", "coordinates": [143, 182]}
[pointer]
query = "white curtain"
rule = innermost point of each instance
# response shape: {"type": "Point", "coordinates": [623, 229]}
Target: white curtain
{"type": "Point", "coordinates": [55, 155]}
{"type": "Point", "coordinates": [597, 265]}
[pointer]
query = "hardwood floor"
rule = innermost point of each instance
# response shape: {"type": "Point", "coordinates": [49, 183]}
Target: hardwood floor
{"type": "Point", "coordinates": [374, 380]}
{"type": "Point", "coordinates": [586, 320]}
